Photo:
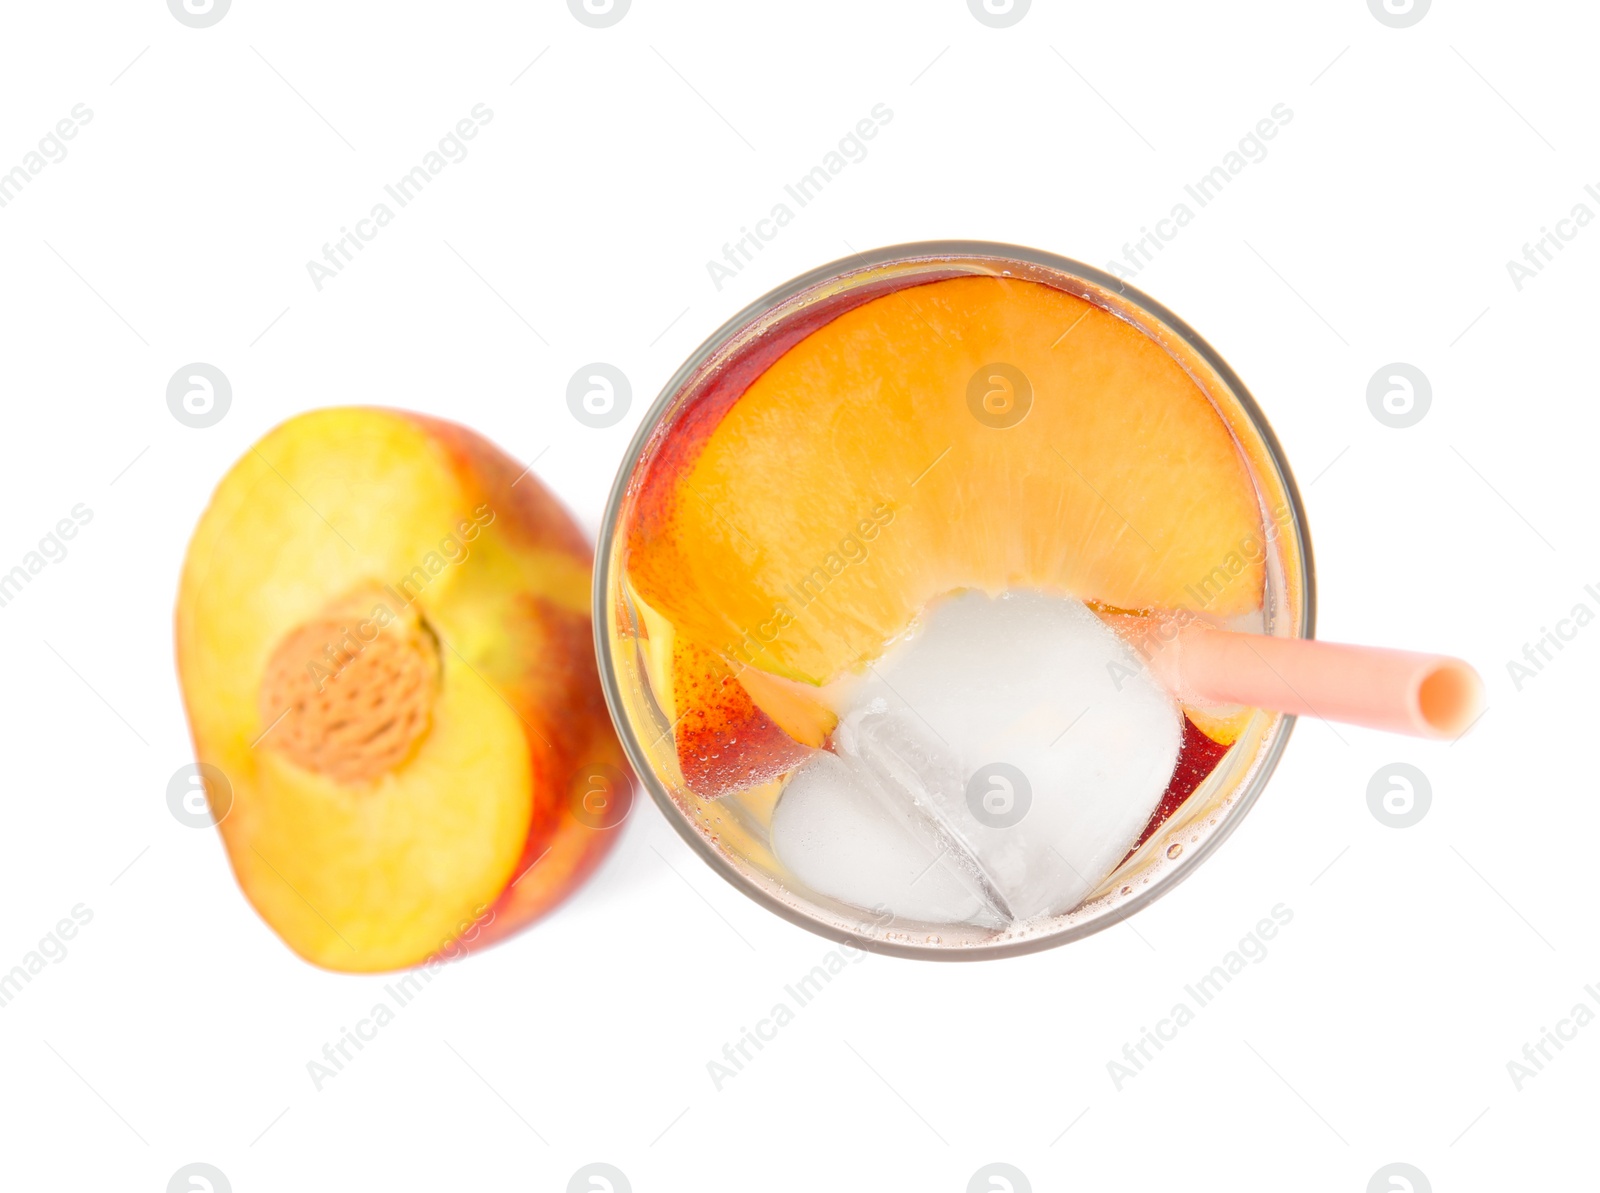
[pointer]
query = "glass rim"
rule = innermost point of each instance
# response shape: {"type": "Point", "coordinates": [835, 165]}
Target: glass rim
{"type": "Point", "coordinates": [933, 251]}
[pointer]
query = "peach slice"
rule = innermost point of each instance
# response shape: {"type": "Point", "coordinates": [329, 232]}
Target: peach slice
{"type": "Point", "coordinates": [725, 742]}
{"type": "Point", "coordinates": [383, 640]}
{"type": "Point", "coordinates": [725, 739]}
{"type": "Point", "coordinates": [976, 432]}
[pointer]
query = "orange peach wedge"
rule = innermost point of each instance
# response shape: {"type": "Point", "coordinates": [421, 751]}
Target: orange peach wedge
{"type": "Point", "coordinates": [383, 639]}
{"type": "Point", "coordinates": [970, 433]}
{"type": "Point", "coordinates": [855, 480]}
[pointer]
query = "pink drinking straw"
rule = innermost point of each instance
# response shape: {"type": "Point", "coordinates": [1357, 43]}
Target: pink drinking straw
{"type": "Point", "coordinates": [1425, 695]}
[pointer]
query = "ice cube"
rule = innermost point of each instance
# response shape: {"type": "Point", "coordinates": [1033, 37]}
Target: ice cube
{"type": "Point", "coordinates": [836, 831]}
{"type": "Point", "coordinates": [995, 765]}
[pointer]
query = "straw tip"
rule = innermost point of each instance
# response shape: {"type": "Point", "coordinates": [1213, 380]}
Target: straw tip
{"type": "Point", "coordinates": [1449, 698]}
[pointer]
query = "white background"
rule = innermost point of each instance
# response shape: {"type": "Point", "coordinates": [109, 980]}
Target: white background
{"type": "Point", "coordinates": [1419, 961]}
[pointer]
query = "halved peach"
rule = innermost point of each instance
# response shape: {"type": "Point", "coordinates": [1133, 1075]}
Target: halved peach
{"type": "Point", "coordinates": [383, 640]}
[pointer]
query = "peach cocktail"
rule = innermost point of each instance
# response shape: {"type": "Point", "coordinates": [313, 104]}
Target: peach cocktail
{"type": "Point", "coordinates": [877, 577]}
